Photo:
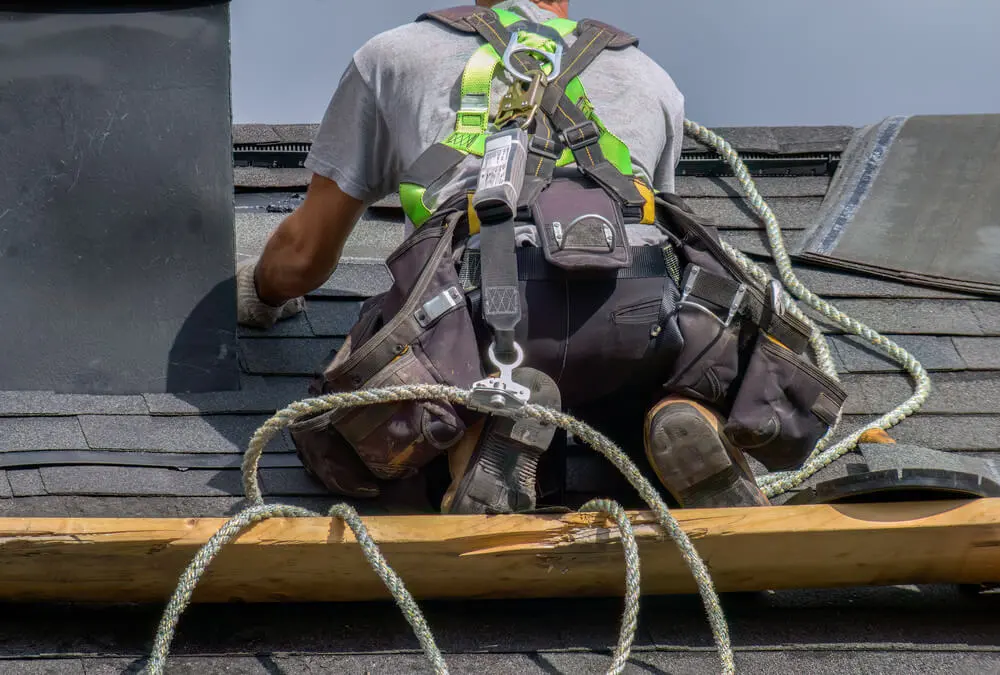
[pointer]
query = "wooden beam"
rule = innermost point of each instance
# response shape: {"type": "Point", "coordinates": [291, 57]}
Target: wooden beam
{"type": "Point", "coordinates": [315, 559]}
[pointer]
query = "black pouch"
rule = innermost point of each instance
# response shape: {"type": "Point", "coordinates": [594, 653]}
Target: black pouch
{"type": "Point", "coordinates": [784, 406]}
{"type": "Point", "coordinates": [711, 329]}
{"type": "Point", "coordinates": [581, 227]}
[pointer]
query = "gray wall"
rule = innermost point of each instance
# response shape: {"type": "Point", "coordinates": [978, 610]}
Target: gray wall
{"type": "Point", "coordinates": [738, 62]}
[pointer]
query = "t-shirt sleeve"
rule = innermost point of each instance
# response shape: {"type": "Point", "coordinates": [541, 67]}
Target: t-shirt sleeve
{"type": "Point", "coordinates": [666, 167]}
{"type": "Point", "coordinates": [353, 146]}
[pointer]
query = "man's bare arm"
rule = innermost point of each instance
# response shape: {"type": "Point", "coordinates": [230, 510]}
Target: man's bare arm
{"type": "Point", "coordinates": [305, 249]}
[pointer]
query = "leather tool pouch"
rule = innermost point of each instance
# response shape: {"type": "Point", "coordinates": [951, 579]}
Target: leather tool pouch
{"type": "Point", "coordinates": [418, 332]}
{"type": "Point", "coordinates": [581, 226]}
{"type": "Point", "coordinates": [745, 356]}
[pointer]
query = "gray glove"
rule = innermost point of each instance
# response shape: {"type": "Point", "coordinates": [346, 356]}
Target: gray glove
{"type": "Point", "coordinates": [250, 311]}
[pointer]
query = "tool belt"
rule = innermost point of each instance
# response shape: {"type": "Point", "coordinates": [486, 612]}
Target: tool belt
{"type": "Point", "coordinates": [594, 312]}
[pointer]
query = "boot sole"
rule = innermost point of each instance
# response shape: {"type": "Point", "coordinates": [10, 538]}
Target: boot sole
{"type": "Point", "coordinates": [500, 477]}
{"type": "Point", "coordinates": [695, 463]}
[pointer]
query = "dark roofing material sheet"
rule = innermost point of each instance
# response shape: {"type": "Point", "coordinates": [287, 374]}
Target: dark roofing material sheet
{"type": "Point", "coordinates": [116, 219]}
{"type": "Point", "coordinates": [917, 199]}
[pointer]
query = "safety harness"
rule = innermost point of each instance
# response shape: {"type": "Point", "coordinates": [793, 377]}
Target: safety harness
{"type": "Point", "coordinates": [546, 90]}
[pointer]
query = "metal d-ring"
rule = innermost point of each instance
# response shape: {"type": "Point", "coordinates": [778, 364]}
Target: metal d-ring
{"type": "Point", "coordinates": [513, 47]}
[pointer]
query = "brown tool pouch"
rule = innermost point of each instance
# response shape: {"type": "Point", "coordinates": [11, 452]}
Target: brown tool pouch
{"type": "Point", "coordinates": [581, 227]}
{"type": "Point", "coordinates": [743, 354]}
{"type": "Point", "coordinates": [418, 332]}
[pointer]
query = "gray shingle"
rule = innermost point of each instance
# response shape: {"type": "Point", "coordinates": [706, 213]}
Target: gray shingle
{"type": "Point", "coordinates": [288, 356]}
{"type": "Point", "coordinates": [942, 432]}
{"type": "Point", "coordinates": [252, 134]}
{"type": "Point", "coordinates": [979, 353]}
{"type": "Point", "coordinates": [263, 395]}
{"type": "Point", "coordinates": [908, 316]}
{"type": "Point", "coordinates": [215, 433]}
{"type": "Point", "coordinates": [799, 186]}
{"type": "Point", "coordinates": [6, 491]}
{"type": "Point", "coordinates": [356, 278]}
{"type": "Point", "coordinates": [26, 483]}
{"type": "Point", "coordinates": [23, 403]}
{"type": "Point", "coordinates": [296, 326]}
{"type": "Point", "coordinates": [988, 313]}
{"type": "Point", "coordinates": [136, 481]}
{"type": "Point", "coordinates": [333, 318]}
{"type": "Point", "coordinates": [754, 242]}
{"type": "Point", "coordinates": [295, 482]}
{"type": "Point", "coordinates": [254, 177]}
{"type": "Point", "coordinates": [795, 213]}
{"type": "Point", "coordinates": [781, 139]}
{"type": "Point", "coordinates": [156, 506]}
{"type": "Point", "coordinates": [41, 433]}
{"type": "Point", "coordinates": [934, 352]}
{"type": "Point", "coordinates": [951, 393]}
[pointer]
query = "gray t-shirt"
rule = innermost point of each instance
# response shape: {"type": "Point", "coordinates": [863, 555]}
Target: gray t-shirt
{"type": "Point", "coordinates": [400, 93]}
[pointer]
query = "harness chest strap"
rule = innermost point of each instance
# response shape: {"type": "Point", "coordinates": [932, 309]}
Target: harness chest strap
{"type": "Point", "coordinates": [591, 141]}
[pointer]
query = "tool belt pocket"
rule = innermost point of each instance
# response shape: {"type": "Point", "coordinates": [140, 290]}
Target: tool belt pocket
{"type": "Point", "coordinates": [581, 227]}
{"type": "Point", "coordinates": [784, 406]}
{"type": "Point", "coordinates": [419, 332]}
{"type": "Point", "coordinates": [395, 440]}
{"type": "Point", "coordinates": [330, 459]}
{"type": "Point", "coordinates": [707, 316]}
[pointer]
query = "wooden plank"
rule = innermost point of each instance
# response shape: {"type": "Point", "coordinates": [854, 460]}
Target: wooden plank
{"type": "Point", "coordinates": [315, 559]}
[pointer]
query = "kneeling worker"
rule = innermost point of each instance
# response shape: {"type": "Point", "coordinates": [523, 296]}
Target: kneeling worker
{"type": "Point", "coordinates": [613, 293]}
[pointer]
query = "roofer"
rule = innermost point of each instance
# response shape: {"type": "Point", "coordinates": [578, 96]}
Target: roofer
{"type": "Point", "coordinates": [586, 283]}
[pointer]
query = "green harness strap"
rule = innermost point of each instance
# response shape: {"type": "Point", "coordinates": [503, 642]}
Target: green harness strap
{"type": "Point", "coordinates": [472, 122]}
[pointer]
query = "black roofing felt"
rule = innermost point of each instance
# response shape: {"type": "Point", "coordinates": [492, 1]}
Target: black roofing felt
{"type": "Point", "coordinates": [190, 446]}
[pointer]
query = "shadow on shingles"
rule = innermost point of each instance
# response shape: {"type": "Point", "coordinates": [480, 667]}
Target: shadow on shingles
{"type": "Point", "coordinates": [204, 365]}
{"type": "Point", "coordinates": [543, 663]}
{"type": "Point", "coordinates": [269, 665]}
{"type": "Point", "coordinates": [193, 357]}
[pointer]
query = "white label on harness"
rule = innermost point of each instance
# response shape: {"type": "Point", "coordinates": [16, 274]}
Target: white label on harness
{"type": "Point", "coordinates": [493, 172]}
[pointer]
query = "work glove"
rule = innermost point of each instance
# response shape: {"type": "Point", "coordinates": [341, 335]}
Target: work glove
{"type": "Point", "coordinates": [250, 310]}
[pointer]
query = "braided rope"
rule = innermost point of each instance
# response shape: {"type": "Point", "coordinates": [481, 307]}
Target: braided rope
{"type": "Point", "coordinates": [259, 511]}
{"type": "Point", "coordinates": [255, 514]}
{"type": "Point", "coordinates": [630, 618]}
{"type": "Point", "coordinates": [777, 483]}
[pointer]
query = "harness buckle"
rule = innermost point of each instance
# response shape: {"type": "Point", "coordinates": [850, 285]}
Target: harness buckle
{"type": "Point", "coordinates": [544, 148]}
{"type": "Point", "coordinates": [521, 102]}
{"type": "Point", "coordinates": [581, 135]}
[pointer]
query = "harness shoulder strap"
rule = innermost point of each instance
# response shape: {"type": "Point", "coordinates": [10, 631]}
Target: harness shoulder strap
{"type": "Point", "coordinates": [620, 39]}
{"type": "Point", "coordinates": [455, 17]}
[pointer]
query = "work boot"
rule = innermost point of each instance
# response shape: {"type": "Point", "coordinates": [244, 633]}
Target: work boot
{"type": "Point", "coordinates": [694, 460]}
{"type": "Point", "coordinates": [494, 471]}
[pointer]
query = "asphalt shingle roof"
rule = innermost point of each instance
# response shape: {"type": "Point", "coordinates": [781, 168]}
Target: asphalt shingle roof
{"type": "Point", "coordinates": [177, 455]}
